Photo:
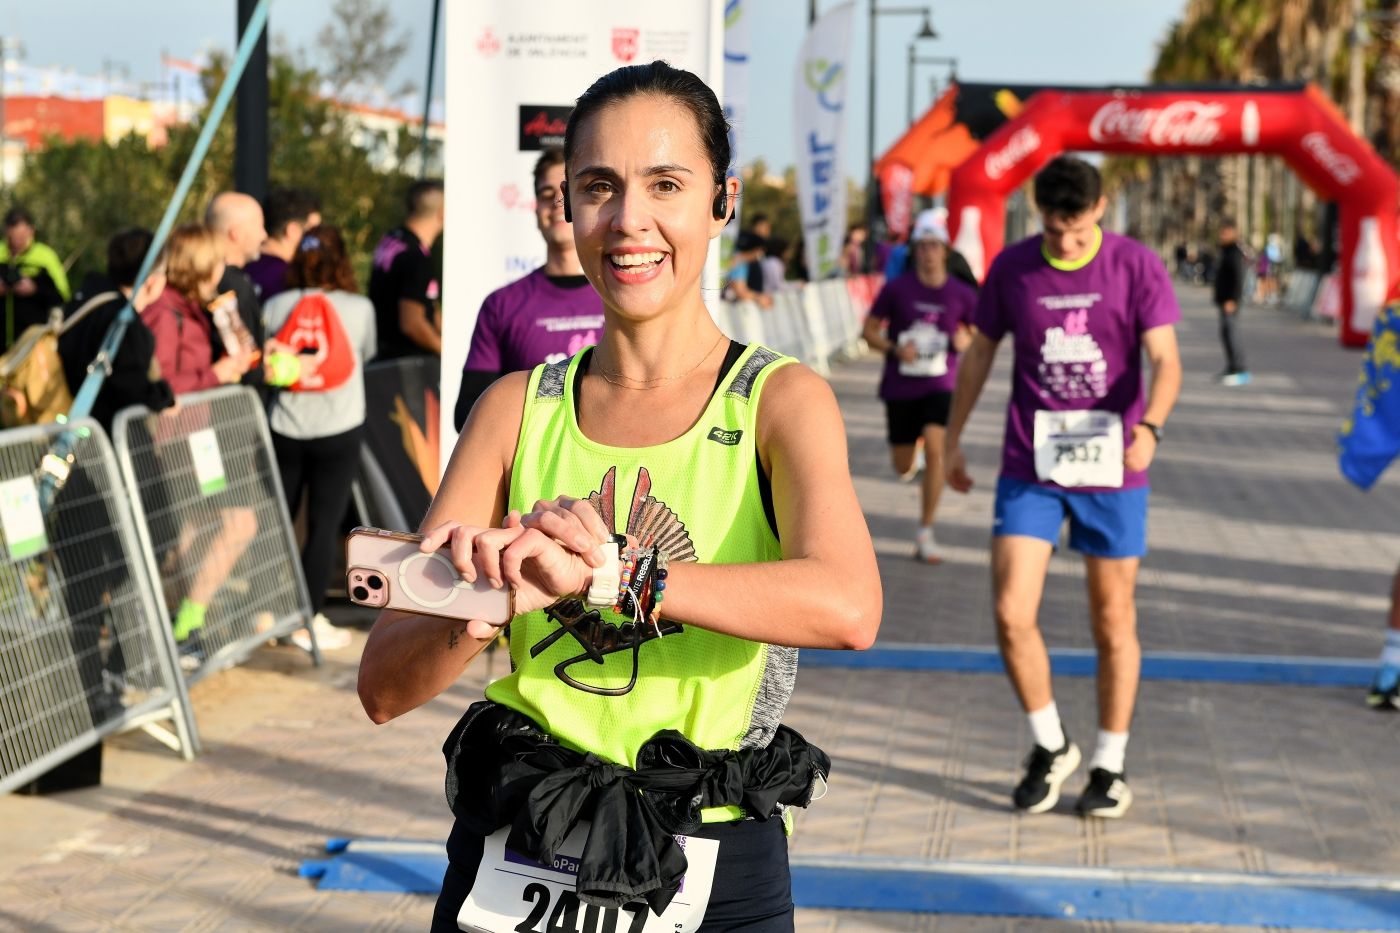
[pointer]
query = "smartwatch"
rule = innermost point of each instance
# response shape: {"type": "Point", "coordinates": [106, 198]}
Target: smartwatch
{"type": "Point", "coordinates": [1156, 430]}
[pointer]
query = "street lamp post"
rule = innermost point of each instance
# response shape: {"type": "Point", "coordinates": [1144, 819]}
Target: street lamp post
{"type": "Point", "coordinates": [925, 32]}
{"type": "Point", "coordinates": [915, 59]}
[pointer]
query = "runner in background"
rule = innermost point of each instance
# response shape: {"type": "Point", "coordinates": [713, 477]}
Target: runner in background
{"type": "Point", "coordinates": [547, 316]}
{"type": "Point", "coordinates": [921, 321]}
{"type": "Point", "coordinates": [671, 434]}
{"type": "Point", "coordinates": [1082, 308]}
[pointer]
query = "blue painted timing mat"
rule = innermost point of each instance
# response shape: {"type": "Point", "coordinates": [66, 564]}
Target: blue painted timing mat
{"type": "Point", "coordinates": [1320, 902]}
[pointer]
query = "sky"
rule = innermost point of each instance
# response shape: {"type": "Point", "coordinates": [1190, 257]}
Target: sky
{"type": "Point", "coordinates": [1017, 41]}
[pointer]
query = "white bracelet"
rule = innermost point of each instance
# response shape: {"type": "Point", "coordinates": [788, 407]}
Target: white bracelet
{"type": "Point", "coordinates": [606, 579]}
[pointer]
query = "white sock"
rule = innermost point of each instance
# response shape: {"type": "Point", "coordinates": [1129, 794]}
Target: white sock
{"type": "Point", "coordinates": [1109, 751]}
{"type": "Point", "coordinates": [1046, 728]}
{"type": "Point", "coordinates": [926, 532]}
{"type": "Point", "coordinates": [1390, 654]}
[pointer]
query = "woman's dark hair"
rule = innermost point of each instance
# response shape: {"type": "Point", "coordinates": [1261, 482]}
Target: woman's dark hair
{"type": "Point", "coordinates": [1067, 187]}
{"type": "Point", "coordinates": [320, 262]}
{"type": "Point", "coordinates": [125, 252]}
{"type": "Point", "coordinates": [661, 80]}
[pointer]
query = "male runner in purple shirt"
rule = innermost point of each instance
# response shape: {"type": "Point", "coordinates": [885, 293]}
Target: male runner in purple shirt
{"type": "Point", "coordinates": [1082, 307]}
{"type": "Point", "coordinates": [547, 316]}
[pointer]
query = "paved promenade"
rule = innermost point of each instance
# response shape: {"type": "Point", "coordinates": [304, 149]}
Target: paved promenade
{"type": "Point", "coordinates": [1258, 548]}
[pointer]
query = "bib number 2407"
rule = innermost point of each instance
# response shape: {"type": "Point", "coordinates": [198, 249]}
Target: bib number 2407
{"type": "Point", "coordinates": [515, 894]}
{"type": "Point", "coordinates": [571, 916]}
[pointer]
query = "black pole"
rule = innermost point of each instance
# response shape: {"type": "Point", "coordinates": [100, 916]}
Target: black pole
{"type": "Point", "coordinates": [811, 12]}
{"type": "Point", "coordinates": [428, 91]}
{"type": "Point", "coordinates": [250, 116]}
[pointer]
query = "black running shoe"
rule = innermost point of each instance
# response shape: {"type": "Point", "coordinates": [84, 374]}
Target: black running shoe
{"type": "Point", "coordinates": [1039, 790]}
{"type": "Point", "coordinates": [1107, 796]}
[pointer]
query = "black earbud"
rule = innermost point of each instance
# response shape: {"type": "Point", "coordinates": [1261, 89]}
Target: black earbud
{"type": "Point", "coordinates": [720, 209]}
{"type": "Point", "coordinates": [568, 214]}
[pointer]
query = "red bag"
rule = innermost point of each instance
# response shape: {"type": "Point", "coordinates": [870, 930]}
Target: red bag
{"type": "Point", "coordinates": [314, 332]}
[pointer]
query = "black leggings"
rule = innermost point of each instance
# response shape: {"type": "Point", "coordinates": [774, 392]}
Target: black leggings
{"type": "Point", "coordinates": [752, 891]}
{"type": "Point", "coordinates": [323, 468]}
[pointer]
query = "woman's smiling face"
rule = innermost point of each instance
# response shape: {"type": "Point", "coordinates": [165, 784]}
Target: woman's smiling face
{"type": "Point", "coordinates": [641, 188]}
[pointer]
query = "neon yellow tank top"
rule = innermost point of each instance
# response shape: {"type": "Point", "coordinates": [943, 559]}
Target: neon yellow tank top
{"type": "Point", "coordinates": [696, 497]}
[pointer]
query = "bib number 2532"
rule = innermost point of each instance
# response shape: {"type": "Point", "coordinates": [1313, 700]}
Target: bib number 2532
{"type": "Point", "coordinates": [515, 894]}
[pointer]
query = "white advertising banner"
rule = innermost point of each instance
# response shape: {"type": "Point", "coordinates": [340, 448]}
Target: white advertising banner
{"type": "Point", "coordinates": [514, 71]}
{"type": "Point", "coordinates": [736, 96]}
{"type": "Point", "coordinates": [818, 107]}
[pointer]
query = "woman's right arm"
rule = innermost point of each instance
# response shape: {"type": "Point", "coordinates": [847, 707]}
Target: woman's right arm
{"type": "Point", "coordinates": [410, 659]}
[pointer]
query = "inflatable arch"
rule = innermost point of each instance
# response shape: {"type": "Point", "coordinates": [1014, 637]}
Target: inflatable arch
{"type": "Point", "coordinates": [1301, 125]}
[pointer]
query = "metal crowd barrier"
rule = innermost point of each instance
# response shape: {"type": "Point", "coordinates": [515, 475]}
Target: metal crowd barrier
{"type": "Point", "coordinates": [84, 651]}
{"type": "Point", "coordinates": [214, 525]}
{"type": "Point", "coordinates": [818, 323]}
{"type": "Point", "coordinates": [1301, 292]}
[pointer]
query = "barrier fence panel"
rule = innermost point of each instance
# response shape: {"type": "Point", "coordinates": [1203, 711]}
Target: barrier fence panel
{"type": "Point", "coordinates": [83, 652]}
{"type": "Point", "coordinates": [816, 323]}
{"type": "Point", "coordinates": [214, 526]}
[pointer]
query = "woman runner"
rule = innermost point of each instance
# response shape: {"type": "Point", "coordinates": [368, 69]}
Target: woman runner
{"type": "Point", "coordinates": [725, 468]}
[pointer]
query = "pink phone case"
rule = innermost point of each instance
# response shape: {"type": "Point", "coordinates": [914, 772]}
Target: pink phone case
{"type": "Point", "coordinates": [385, 570]}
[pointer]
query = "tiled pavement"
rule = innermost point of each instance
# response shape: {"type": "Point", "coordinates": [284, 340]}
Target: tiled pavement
{"type": "Point", "coordinates": [1258, 547]}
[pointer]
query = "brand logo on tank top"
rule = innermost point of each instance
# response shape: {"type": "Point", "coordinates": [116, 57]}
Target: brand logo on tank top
{"type": "Point", "coordinates": [727, 438]}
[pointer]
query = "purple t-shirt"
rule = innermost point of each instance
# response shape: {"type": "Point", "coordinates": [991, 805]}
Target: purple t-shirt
{"type": "Point", "coordinates": [534, 320]}
{"type": "Point", "coordinates": [269, 275]}
{"type": "Point", "coordinates": [906, 303]}
{"type": "Point", "coordinates": [1077, 337]}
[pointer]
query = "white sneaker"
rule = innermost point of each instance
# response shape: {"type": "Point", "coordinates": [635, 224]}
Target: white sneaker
{"type": "Point", "coordinates": [927, 547]}
{"type": "Point", "coordinates": [329, 636]}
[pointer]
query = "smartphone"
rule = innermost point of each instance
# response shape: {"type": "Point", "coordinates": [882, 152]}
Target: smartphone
{"type": "Point", "coordinates": [385, 570]}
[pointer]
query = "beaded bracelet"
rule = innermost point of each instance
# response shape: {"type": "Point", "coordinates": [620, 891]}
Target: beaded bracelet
{"type": "Point", "coordinates": [658, 591]}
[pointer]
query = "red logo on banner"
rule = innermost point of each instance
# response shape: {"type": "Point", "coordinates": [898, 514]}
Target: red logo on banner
{"type": "Point", "coordinates": [509, 195]}
{"type": "Point", "coordinates": [488, 45]}
{"type": "Point", "coordinates": [1023, 143]}
{"type": "Point", "coordinates": [1338, 164]}
{"type": "Point", "coordinates": [624, 44]}
{"type": "Point", "coordinates": [1183, 123]}
{"type": "Point", "coordinates": [897, 186]}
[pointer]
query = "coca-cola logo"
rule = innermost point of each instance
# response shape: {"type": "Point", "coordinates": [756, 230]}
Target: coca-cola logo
{"type": "Point", "coordinates": [1022, 144]}
{"type": "Point", "coordinates": [1181, 123]}
{"type": "Point", "coordinates": [542, 126]}
{"type": "Point", "coordinates": [1339, 165]}
{"type": "Point", "coordinates": [898, 188]}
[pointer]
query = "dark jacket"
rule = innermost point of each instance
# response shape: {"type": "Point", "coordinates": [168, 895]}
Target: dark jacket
{"type": "Point", "coordinates": [135, 378]}
{"type": "Point", "coordinates": [1229, 275]}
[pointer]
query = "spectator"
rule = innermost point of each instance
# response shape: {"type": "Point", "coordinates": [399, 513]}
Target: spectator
{"type": "Point", "coordinates": [184, 350]}
{"type": "Point", "coordinates": [317, 434]}
{"type": "Point", "coordinates": [97, 555]}
{"type": "Point", "coordinates": [775, 266]}
{"type": "Point", "coordinates": [402, 285]}
{"type": "Point", "coordinates": [748, 250]}
{"type": "Point", "coordinates": [1229, 293]}
{"type": "Point", "coordinates": [853, 251]}
{"type": "Point", "coordinates": [761, 227]}
{"type": "Point", "coordinates": [547, 316]}
{"type": "Point", "coordinates": [132, 380]}
{"type": "Point", "coordinates": [32, 278]}
{"type": "Point", "coordinates": [289, 213]}
{"type": "Point", "coordinates": [236, 220]}
{"type": "Point", "coordinates": [194, 269]}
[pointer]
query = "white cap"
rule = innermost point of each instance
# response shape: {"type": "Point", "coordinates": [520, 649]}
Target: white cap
{"type": "Point", "coordinates": [931, 224]}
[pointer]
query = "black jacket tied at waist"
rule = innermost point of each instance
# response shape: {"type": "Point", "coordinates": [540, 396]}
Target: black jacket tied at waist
{"type": "Point", "coordinates": [502, 769]}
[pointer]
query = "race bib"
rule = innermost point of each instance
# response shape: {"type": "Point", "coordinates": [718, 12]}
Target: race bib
{"type": "Point", "coordinates": [515, 894]}
{"type": "Point", "coordinates": [932, 346]}
{"type": "Point", "coordinates": [1079, 448]}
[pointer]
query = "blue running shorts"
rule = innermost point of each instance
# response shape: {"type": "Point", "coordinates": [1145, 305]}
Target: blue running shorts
{"type": "Point", "coordinates": [1101, 524]}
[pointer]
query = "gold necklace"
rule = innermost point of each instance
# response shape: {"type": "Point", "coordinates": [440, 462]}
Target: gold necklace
{"type": "Point", "coordinates": [613, 376]}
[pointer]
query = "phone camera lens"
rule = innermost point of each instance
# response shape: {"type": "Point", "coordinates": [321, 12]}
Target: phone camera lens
{"type": "Point", "coordinates": [360, 593]}
{"type": "Point", "coordinates": [375, 583]}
